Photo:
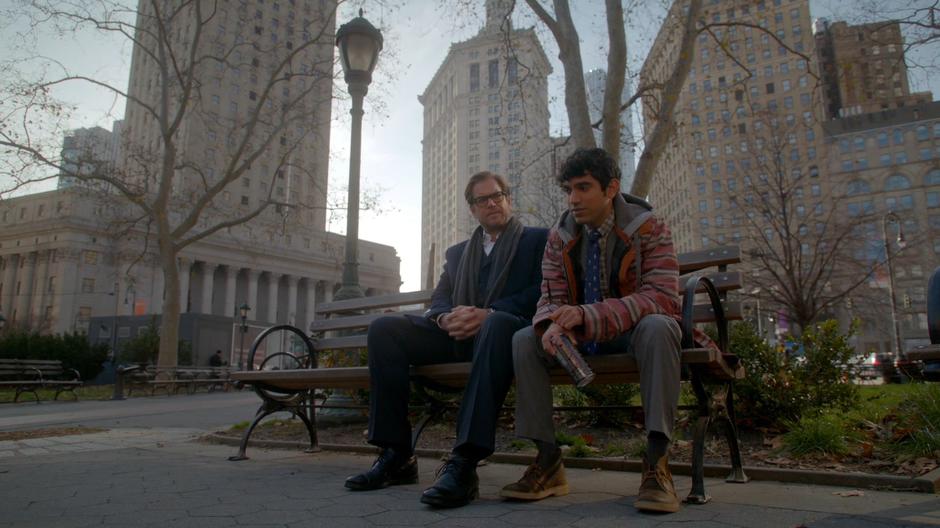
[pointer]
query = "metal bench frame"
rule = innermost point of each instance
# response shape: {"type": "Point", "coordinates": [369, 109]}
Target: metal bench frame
{"type": "Point", "coordinates": [711, 374]}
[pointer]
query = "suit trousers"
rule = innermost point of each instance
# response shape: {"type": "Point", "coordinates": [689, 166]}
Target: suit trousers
{"type": "Point", "coordinates": [655, 343]}
{"type": "Point", "coordinates": [396, 342]}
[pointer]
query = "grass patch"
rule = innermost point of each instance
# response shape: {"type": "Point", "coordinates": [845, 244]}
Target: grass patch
{"type": "Point", "coordinates": [827, 434]}
{"type": "Point", "coordinates": [918, 421]}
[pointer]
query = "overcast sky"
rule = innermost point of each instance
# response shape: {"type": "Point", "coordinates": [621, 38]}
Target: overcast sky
{"type": "Point", "coordinates": [417, 37]}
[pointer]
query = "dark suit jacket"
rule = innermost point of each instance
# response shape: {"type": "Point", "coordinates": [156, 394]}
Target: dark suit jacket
{"type": "Point", "coordinates": [522, 289]}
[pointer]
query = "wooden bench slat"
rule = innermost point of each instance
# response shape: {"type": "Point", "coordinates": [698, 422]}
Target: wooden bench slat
{"type": "Point", "coordinates": [614, 368]}
{"type": "Point", "coordinates": [375, 302]}
{"type": "Point", "coordinates": [726, 281]}
{"type": "Point", "coordinates": [707, 258]}
{"type": "Point", "coordinates": [355, 321]}
{"type": "Point", "coordinates": [338, 343]}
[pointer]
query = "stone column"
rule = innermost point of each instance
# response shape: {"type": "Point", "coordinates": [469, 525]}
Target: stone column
{"type": "Point", "coordinates": [40, 285]}
{"type": "Point", "coordinates": [156, 290]}
{"type": "Point", "coordinates": [208, 274]}
{"type": "Point", "coordinates": [273, 279]}
{"type": "Point", "coordinates": [311, 304]}
{"type": "Point", "coordinates": [231, 277]}
{"type": "Point", "coordinates": [185, 267]}
{"type": "Point", "coordinates": [25, 294]}
{"type": "Point", "coordinates": [252, 299]}
{"type": "Point", "coordinates": [327, 292]}
{"type": "Point", "coordinates": [7, 302]}
{"type": "Point", "coordinates": [291, 316]}
{"type": "Point", "coordinates": [67, 287]}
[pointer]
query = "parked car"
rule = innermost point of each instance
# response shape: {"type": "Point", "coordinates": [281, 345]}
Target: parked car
{"type": "Point", "coordinates": [899, 370]}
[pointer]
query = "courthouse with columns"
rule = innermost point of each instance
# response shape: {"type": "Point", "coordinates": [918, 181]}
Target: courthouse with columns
{"type": "Point", "coordinates": [65, 266]}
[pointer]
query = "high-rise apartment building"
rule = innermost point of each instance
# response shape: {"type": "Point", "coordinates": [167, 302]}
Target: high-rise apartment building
{"type": "Point", "coordinates": [887, 162]}
{"type": "Point", "coordinates": [758, 160]}
{"type": "Point", "coordinates": [260, 102]}
{"type": "Point", "coordinates": [262, 85]}
{"type": "Point", "coordinates": [89, 151]}
{"type": "Point", "coordinates": [747, 116]}
{"type": "Point", "coordinates": [862, 68]}
{"type": "Point", "coordinates": [486, 108]}
{"type": "Point", "coordinates": [595, 83]}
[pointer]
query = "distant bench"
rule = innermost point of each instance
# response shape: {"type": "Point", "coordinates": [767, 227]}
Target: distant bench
{"type": "Point", "coordinates": [29, 375]}
{"type": "Point", "coordinates": [172, 379]}
{"type": "Point", "coordinates": [286, 382]}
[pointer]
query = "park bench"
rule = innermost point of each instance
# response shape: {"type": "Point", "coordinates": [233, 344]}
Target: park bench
{"type": "Point", "coordinates": [287, 381]}
{"type": "Point", "coordinates": [172, 379]}
{"type": "Point", "coordinates": [29, 375]}
{"type": "Point", "coordinates": [930, 353]}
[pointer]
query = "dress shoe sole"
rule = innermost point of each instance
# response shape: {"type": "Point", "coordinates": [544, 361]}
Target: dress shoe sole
{"type": "Point", "coordinates": [438, 502]}
{"type": "Point", "coordinates": [557, 491]}
{"type": "Point", "coordinates": [658, 507]}
{"type": "Point", "coordinates": [404, 481]}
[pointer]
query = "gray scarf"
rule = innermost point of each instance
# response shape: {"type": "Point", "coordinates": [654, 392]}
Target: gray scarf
{"type": "Point", "coordinates": [468, 270]}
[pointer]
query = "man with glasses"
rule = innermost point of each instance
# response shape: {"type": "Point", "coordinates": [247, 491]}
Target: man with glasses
{"type": "Point", "coordinates": [487, 291]}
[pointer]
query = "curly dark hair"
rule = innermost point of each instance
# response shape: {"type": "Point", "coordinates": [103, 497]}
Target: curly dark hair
{"type": "Point", "coordinates": [594, 162]}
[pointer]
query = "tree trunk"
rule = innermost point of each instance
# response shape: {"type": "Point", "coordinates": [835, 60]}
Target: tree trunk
{"type": "Point", "coordinates": [616, 74]}
{"type": "Point", "coordinates": [170, 327]}
{"type": "Point", "coordinates": [665, 119]}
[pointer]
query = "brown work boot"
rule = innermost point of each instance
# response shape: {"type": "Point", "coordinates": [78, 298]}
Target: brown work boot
{"type": "Point", "coordinates": [538, 483]}
{"type": "Point", "coordinates": [657, 492]}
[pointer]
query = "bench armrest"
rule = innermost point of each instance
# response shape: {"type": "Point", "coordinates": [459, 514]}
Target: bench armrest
{"type": "Point", "coordinates": [688, 310]}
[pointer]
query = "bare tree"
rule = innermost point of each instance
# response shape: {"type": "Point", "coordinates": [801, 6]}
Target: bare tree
{"type": "Point", "coordinates": [559, 21]}
{"type": "Point", "coordinates": [808, 256]}
{"type": "Point", "coordinates": [178, 194]}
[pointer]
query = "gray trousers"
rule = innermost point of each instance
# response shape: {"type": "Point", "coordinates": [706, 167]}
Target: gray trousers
{"type": "Point", "coordinates": [655, 343]}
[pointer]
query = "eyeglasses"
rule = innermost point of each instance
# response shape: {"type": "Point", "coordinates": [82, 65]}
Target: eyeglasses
{"type": "Point", "coordinates": [496, 197]}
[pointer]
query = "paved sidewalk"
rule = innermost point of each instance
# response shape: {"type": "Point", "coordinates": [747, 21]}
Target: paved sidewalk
{"type": "Point", "coordinates": [160, 477]}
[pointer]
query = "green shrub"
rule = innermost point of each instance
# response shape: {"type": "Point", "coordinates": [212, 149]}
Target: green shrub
{"type": "Point", "coordinates": [777, 390]}
{"type": "Point", "coordinates": [73, 350]}
{"type": "Point", "coordinates": [600, 395]}
{"type": "Point", "coordinates": [823, 434]}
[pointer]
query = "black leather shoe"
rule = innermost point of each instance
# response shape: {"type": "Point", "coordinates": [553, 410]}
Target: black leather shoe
{"type": "Point", "coordinates": [389, 469]}
{"type": "Point", "coordinates": [457, 484]}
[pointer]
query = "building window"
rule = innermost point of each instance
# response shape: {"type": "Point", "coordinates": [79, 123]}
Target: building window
{"type": "Point", "coordinates": [897, 182]}
{"type": "Point", "coordinates": [88, 285]}
{"type": "Point", "coordinates": [90, 257]}
{"type": "Point", "coordinates": [494, 73]}
{"type": "Point", "coordinates": [923, 133]}
{"type": "Point", "coordinates": [856, 187]}
{"type": "Point", "coordinates": [475, 77]}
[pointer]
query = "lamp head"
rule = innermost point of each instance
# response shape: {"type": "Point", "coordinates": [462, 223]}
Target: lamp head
{"type": "Point", "coordinates": [243, 310]}
{"type": "Point", "coordinates": [359, 44]}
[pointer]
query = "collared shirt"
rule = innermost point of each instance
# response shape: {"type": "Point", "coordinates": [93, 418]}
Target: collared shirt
{"type": "Point", "coordinates": [605, 230]}
{"type": "Point", "coordinates": [488, 242]}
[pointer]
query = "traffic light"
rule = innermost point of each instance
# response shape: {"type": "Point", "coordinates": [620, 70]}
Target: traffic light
{"type": "Point", "coordinates": [907, 301]}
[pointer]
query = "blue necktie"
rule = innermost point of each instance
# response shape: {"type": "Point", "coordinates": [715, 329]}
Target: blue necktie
{"type": "Point", "coordinates": [592, 279]}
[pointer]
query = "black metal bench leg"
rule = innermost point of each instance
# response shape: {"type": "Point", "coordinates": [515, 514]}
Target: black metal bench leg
{"type": "Point", "coordinates": [20, 390]}
{"type": "Point", "coordinates": [433, 410]}
{"type": "Point", "coordinates": [697, 494]}
{"type": "Point", "coordinates": [308, 416]}
{"type": "Point", "coordinates": [262, 413]}
{"type": "Point", "coordinates": [731, 434]}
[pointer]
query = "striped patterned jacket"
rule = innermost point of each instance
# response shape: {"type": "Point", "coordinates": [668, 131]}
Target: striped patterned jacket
{"type": "Point", "coordinates": [642, 267]}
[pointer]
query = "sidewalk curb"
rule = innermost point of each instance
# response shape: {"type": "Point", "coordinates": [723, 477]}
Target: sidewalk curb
{"type": "Point", "coordinates": [929, 483]}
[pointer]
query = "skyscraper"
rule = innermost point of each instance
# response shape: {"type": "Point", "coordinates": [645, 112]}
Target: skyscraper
{"type": "Point", "coordinates": [486, 108]}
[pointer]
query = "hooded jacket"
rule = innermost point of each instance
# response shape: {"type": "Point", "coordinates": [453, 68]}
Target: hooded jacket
{"type": "Point", "coordinates": [642, 267]}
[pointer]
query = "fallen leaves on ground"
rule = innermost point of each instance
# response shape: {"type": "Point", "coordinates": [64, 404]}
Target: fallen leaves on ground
{"type": "Point", "coordinates": [48, 433]}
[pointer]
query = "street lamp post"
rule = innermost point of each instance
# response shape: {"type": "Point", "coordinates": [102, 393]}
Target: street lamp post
{"type": "Point", "coordinates": [760, 331]}
{"type": "Point", "coordinates": [243, 312]}
{"type": "Point", "coordinates": [359, 43]}
{"type": "Point", "coordinates": [890, 216]}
